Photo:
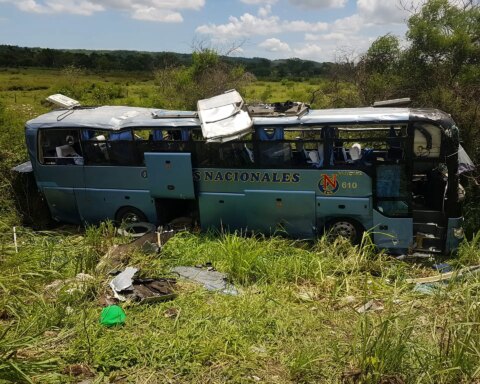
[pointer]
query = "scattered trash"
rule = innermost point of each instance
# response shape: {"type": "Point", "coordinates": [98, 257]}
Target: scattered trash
{"type": "Point", "coordinates": [442, 267]}
{"type": "Point", "coordinates": [125, 287]}
{"type": "Point", "coordinates": [445, 276]}
{"type": "Point", "coordinates": [163, 236]}
{"type": "Point", "coordinates": [117, 254]}
{"type": "Point", "coordinates": [112, 316]}
{"type": "Point", "coordinates": [210, 278]}
{"type": "Point", "coordinates": [123, 281]}
{"type": "Point", "coordinates": [152, 290]}
{"type": "Point", "coordinates": [433, 284]}
{"type": "Point", "coordinates": [372, 305]}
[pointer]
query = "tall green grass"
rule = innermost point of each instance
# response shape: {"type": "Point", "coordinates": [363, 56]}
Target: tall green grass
{"type": "Point", "coordinates": [295, 319]}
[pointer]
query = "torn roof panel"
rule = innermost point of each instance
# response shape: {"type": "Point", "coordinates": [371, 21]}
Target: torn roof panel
{"type": "Point", "coordinates": [222, 117]}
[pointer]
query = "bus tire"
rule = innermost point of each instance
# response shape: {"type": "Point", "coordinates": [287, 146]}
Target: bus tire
{"type": "Point", "coordinates": [136, 230]}
{"type": "Point", "coordinates": [130, 215]}
{"type": "Point", "coordinates": [343, 227]}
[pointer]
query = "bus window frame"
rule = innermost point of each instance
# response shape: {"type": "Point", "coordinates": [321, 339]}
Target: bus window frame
{"type": "Point", "coordinates": [40, 155]}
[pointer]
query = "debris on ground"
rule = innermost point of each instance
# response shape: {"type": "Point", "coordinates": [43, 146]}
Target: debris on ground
{"type": "Point", "coordinates": [149, 243]}
{"type": "Point", "coordinates": [211, 279]}
{"type": "Point", "coordinates": [117, 254]}
{"type": "Point", "coordinates": [164, 235]}
{"type": "Point", "coordinates": [445, 276]}
{"type": "Point", "coordinates": [112, 315]}
{"type": "Point", "coordinates": [442, 267]}
{"type": "Point", "coordinates": [370, 306]}
{"type": "Point", "coordinates": [123, 280]}
{"type": "Point", "coordinates": [432, 285]}
{"type": "Point", "coordinates": [126, 287]}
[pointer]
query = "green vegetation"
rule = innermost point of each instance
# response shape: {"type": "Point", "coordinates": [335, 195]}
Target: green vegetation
{"type": "Point", "coordinates": [296, 318]}
{"type": "Point", "coordinates": [17, 57]}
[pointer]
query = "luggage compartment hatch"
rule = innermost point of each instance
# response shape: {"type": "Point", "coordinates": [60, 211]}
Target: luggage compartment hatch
{"type": "Point", "coordinates": [170, 175]}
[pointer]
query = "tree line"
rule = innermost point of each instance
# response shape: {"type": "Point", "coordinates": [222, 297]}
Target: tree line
{"type": "Point", "coordinates": [14, 56]}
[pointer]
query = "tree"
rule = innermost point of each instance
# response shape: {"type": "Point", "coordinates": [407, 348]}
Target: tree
{"type": "Point", "coordinates": [378, 71]}
{"type": "Point", "coordinates": [208, 75]}
{"type": "Point", "coordinates": [445, 42]}
{"type": "Point", "coordinates": [383, 55]}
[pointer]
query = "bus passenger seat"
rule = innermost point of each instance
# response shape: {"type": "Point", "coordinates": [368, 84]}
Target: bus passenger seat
{"type": "Point", "coordinates": [355, 152]}
{"type": "Point", "coordinates": [66, 155]}
{"type": "Point", "coordinates": [314, 158]}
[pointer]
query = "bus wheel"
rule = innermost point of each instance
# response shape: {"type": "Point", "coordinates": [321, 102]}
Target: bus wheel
{"type": "Point", "coordinates": [136, 229]}
{"type": "Point", "coordinates": [130, 215]}
{"type": "Point", "coordinates": [349, 229]}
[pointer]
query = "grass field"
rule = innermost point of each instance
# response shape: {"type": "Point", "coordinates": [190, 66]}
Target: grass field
{"type": "Point", "coordinates": [296, 319]}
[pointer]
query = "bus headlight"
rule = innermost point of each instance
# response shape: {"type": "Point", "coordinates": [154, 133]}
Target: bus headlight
{"type": "Point", "coordinates": [458, 233]}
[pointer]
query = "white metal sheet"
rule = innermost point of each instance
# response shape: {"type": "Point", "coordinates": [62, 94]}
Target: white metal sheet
{"type": "Point", "coordinates": [222, 117]}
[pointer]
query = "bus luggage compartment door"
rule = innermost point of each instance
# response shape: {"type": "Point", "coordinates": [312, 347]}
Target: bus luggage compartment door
{"type": "Point", "coordinates": [392, 233]}
{"type": "Point", "coordinates": [170, 175]}
{"type": "Point", "coordinates": [292, 212]}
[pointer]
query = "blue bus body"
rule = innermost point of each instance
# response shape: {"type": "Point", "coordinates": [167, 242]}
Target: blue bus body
{"type": "Point", "coordinates": [98, 163]}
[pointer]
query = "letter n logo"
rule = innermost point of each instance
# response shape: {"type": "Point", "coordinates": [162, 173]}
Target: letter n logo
{"type": "Point", "coordinates": [328, 185]}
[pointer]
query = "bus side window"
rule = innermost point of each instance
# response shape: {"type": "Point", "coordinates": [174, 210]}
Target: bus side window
{"type": "Point", "coordinates": [273, 150]}
{"type": "Point", "coordinates": [307, 147]}
{"type": "Point", "coordinates": [60, 147]}
{"type": "Point", "coordinates": [121, 149]}
{"type": "Point", "coordinates": [95, 146]}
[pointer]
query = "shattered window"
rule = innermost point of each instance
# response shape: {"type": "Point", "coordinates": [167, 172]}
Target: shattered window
{"type": "Point", "coordinates": [109, 147]}
{"type": "Point", "coordinates": [60, 147]}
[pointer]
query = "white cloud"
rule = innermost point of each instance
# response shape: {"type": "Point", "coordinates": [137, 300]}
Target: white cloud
{"type": "Point", "coordinates": [309, 51]}
{"type": "Point", "coordinates": [246, 25]}
{"type": "Point", "coordinates": [250, 25]}
{"type": "Point", "coordinates": [350, 24]}
{"type": "Point", "coordinates": [153, 14]}
{"type": "Point", "coordinates": [85, 8]}
{"type": "Point", "coordinates": [257, 2]}
{"type": "Point", "coordinates": [151, 10]}
{"type": "Point", "coordinates": [274, 45]}
{"type": "Point", "coordinates": [334, 36]}
{"type": "Point", "coordinates": [309, 4]}
{"type": "Point", "coordinates": [265, 11]}
{"type": "Point", "coordinates": [381, 11]}
{"type": "Point", "coordinates": [303, 26]}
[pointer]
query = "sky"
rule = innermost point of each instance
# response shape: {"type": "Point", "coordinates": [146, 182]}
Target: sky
{"type": "Point", "coordinates": [320, 30]}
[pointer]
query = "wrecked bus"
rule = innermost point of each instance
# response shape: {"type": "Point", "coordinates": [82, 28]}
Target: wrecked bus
{"type": "Point", "coordinates": [391, 171]}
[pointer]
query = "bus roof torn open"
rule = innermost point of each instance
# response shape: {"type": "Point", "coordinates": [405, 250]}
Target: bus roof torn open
{"type": "Point", "coordinates": [223, 117]}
